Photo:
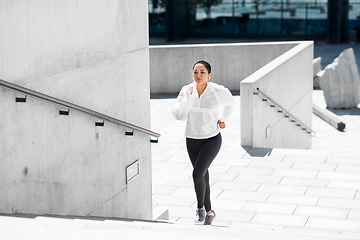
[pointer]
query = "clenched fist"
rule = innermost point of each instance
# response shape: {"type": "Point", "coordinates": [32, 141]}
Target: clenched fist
{"type": "Point", "coordinates": [221, 124]}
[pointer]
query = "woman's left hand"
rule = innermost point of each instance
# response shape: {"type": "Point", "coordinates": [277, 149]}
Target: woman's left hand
{"type": "Point", "coordinates": [221, 124]}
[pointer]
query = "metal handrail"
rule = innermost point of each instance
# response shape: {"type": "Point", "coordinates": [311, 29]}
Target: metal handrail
{"type": "Point", "coordinates": [76, 107]}
{"type": "Point", "coordinates": [287, 113]}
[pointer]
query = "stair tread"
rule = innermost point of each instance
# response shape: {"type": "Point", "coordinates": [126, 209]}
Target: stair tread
{"type": "Point", "coordinates": [60, 228]}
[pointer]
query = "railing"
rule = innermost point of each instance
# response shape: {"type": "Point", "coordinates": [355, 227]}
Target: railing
{"type": "Point", "coordinates": [78, 108]}
{"type": "Point", "coordinates": [287, 114]}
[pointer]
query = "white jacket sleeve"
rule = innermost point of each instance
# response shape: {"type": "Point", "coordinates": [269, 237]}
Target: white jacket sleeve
{"type": "Point", "coordinates": [227, 101]}
{"type": "Point", "coordinates": [182, 106]}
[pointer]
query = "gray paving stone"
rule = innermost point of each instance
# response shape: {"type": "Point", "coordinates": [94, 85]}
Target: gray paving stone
{"type": "Point", "coordinates": [293, 199]}
{"type": "Point", "coordinates": [302, 159]}
{"type": "Point", "coordinates": [344, 160]}
{"type": "Point", "coordinates": [314, 166]}
{"type": "Point", "coordinates": [348, 169]}
{"type": "Point", "coordinates": [234, 215]}
{"type": "Point", "coordinates": [332, 223]}
{"type": "Point", "coordinates": [282, 189]}
{"type": "Point", "coordinates": [314, 232]}
{"type": "Point", "coordinates": [233, 162]}
{"type": "Point", "coordinates": [331, 192]}
{"type": "Point", "coordinates": [216, 166]}
{"type": "Point", "coordinates": [261, 163]}
{"type": "Point", "coordinates": [226, 176]}
{"type": "Point", "coordinates": [178, 158]}
{"type": "Point", "coordinates": [158, 156]}
{"type": "Point", "coordinates": [232, 155]}
{"type": "Point", "coordinates": [170, 165]}
{"type": "Point", "coordinates": [227, 204]}
{"type": "Point", "coordinates": [354, 215]}
{"type": "Point", "coordinates": [339, 176]}
{"type": "Point", "coordinates": [239, 186]}
{"type": "Point", "coordinates": [253, 178]}
{"type": "Point", "coordinates": [293, 181]}
{"type": "Point", "coordinates": [266, 207]}
{"type": "Point", "coordinates": [160, 180]}
{"type": "Point", "coordinates": [351, 234]}
{"type": "Point", "coordinates": [328, 212]}
{"type": "Point", "coordinates": [184, 191]}
{"type": "Point", "coordinates": [183, 201]}
{"type": "Point", "coordinates": [339, 203]}
{"type": "Point", "coordinates": [256, 226]}
{"type": "Point", "coordinates": [280, 219]}
{"type": "Point", "coordinates": [251, 170]}
{"type": "Point", "coordinates": [344, 184]}
{"type": "Point", "coordinates": [181, 182]}
{"type": "Point", "coordinates": [242, 195]}
{"type": "Point", "coordinates": [295, 173]}
{"type": "Point", "coordinates": [162, 190]}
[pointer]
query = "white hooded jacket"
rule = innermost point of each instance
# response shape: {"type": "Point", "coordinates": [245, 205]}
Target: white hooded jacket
{"type": "Point", "coordinates": [202, 113]}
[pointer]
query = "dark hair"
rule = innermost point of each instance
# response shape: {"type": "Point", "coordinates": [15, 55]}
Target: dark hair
{"type": "Point", "coordinates": [206, 65]}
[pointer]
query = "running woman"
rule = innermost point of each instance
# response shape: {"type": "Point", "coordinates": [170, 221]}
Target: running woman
{"type": "Point", "coordinates": [205, 106]}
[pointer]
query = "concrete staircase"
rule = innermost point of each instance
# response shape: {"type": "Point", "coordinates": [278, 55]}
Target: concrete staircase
{"type": "Point", "coordinates": [44, 228]}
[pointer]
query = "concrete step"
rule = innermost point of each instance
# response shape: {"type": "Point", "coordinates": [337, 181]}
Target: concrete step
{"type": "Point", "coordinates": [44, 228]}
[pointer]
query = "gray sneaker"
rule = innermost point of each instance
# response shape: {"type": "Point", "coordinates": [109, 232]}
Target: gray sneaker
{"type": "Point", "coordinates": [200, 215]}
{"type": "Point", "coordinates": [209, 218]}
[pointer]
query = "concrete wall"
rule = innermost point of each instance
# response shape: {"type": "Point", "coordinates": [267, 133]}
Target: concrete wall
{"type": "Point", "coordinates": [93, 53]}
{"type": "Point", "coordinates": [288, 81]}
{"type": "Point", "coordinates": [171, 65]}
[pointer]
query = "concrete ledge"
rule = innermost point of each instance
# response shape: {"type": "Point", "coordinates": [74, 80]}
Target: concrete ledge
{"type": "Point", "coordinates": [329, 117]}
{"type": "Point", "coordinates": [171, 65]}
{"type": "Point", "coordinates": [288, 81]}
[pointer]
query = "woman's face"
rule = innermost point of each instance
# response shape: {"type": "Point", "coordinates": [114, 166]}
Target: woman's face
{"type": "Point", "coordinates": [201, 75]}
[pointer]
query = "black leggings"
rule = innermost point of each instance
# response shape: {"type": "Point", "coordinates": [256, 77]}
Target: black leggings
{"type": "Point", "coordinates": [202, 152]}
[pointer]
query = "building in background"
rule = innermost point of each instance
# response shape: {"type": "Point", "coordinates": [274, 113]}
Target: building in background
{"type": "Point", "coordinates": [333, 20]}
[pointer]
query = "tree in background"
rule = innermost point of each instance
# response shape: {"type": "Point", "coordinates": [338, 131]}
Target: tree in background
{"type": "Point", "coordinates": [157, 15]}
{"type": "Point", "coordinates": [206, 4]}
{"type": "Point", "coordinates": [157, 3]}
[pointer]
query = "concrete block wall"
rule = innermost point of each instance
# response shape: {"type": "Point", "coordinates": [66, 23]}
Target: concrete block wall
{"type": "Point", "coordinates": [171, 65]}
{"type": "Point", "coordinates": [288, 81]}
{"type": "Point", "coordinates": [93, 54]}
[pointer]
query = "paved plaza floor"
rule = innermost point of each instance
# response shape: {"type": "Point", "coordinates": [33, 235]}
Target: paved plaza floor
{"type": "Point", "coordinates": [313, 191]}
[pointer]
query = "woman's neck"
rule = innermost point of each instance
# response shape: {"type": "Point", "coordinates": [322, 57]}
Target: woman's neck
{"type": "Point", "coordinates": [201, 88]}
